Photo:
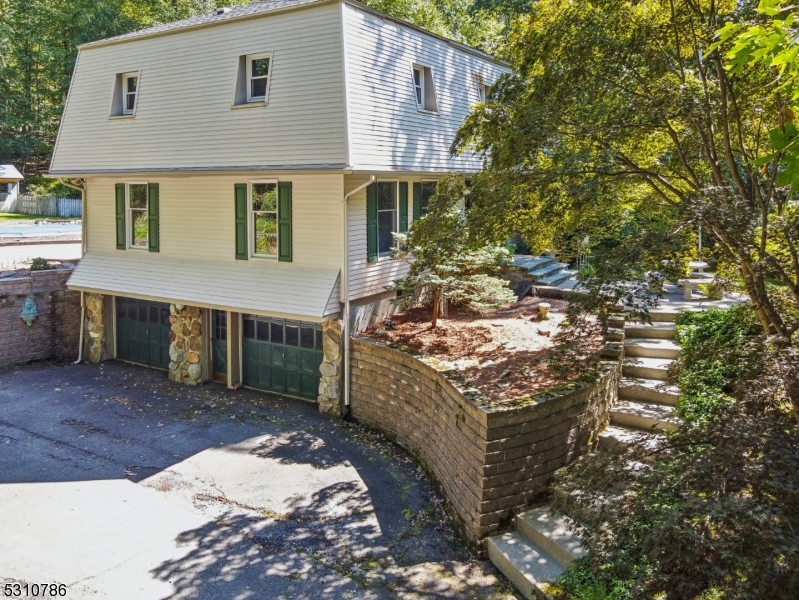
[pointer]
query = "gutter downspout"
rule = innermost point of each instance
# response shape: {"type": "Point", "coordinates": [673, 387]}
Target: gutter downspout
{"type": "Point", "coordinates": [346, 287]}
{"type": "Point", "coordinates": [82, 253]}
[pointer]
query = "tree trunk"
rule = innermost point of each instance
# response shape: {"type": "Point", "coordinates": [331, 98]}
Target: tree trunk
{"type": "Point", "coordinates": [436, 305]}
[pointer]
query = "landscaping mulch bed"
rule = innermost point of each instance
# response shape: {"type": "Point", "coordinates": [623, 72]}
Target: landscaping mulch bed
{"type": "Point", "coordinates": [503, 352]}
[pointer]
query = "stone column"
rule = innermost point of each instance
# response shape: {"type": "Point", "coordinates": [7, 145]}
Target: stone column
{"type": "Point", "coordinates": [185, 348]}
{"type": "Point", "coordinates": [331, 369]}
{"type": "Point", "coordinates": [94, 326]}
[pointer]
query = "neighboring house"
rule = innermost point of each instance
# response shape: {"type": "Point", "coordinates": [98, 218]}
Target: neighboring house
{"type": "Point", "coordinates": [9, 185]}
{"type": "Point", "coordinates": [227, 161]}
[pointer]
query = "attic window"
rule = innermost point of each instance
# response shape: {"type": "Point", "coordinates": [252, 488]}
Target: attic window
{"type": "Point", "coordinates": [424, 89]}
{"type": "Point", "coordinates": [252, 81]}
{"type": "Point", "coordinates": [481, 87]}
{"type": "Point", "coordinates": [126, 92]}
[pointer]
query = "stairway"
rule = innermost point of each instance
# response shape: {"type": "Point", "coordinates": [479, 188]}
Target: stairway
{"type": "Point", "coordinates": [542, 546]}
{"type": "Point", "coordinates": [544, 270]}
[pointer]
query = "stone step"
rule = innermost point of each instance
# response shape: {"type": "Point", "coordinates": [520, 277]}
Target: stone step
{"type": "Point", "coordinates": [644, 415]}
{"type": "Point", "coordinates": [646, 368]}
{"type": "Point", "coordinates": [528, 566]}
{"type": "Point", "coordinates": [657, 330]}
{"type": "Point", "coordinates": [663, 315]}
{"type": "Point", "coordinates": [551, 531]}
{"type": "Point", "coordinates": [545, 271]}
{"type": "Point", "coordinates": [616, 437]}
{"type": "Point", "coordinates": [557, 278]}
{"type": "Point", "coordinates": [647, 348]}
{"type": "Point", "coordinates": [532, 262]}
{"type": "Point", "coordinates": [648, 390]}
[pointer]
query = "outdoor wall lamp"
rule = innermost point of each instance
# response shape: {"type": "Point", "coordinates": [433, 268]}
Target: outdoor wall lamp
{"type": "Point", "coordinates": [29, 311]}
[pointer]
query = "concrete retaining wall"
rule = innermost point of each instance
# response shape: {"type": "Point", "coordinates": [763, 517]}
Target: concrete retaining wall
{"type": "Point", "coordinates": [491, 461]}
{"type": "Point", "coordinates": [54, 334]}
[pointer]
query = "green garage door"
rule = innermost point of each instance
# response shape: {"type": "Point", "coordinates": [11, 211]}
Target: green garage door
{"type": "Point", "coordinates": [282, 356]}
{"type": "Point", "coordinates": [143, 332]}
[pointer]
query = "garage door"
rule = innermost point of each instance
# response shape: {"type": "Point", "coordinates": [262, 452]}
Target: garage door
{"type": "Point", "coordinates": [282, 356]}
{"type": "Point", "coordinates": [143, 332]}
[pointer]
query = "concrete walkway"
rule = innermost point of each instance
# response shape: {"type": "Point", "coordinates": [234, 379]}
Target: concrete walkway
{"type": "Point", "coordinates": [121, 484]}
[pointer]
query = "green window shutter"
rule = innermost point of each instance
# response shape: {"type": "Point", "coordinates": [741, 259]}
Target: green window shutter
{"type": "Point", "coordinates": [403, 206]}
{"type": "Point", "coordinates": [371, 223]}
{"type": "Point", "coordinates": [284, 221]}
{"type": "Point", "coordinates": [120, 205]}
{"type": "Point", "coordinates": [417, 200]}
{"type": "Point", "coordinates": [240, 201]}
{"type": "Point", "coordinates": [152, 217]}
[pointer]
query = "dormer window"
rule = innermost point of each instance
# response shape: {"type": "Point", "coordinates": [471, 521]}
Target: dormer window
{"type": "Point", "coordinates": [252, 80]}
{"type": "Point", "coordinates": [424, 88]}
{"type": "Point", "coordinates": [257, 76]}
{"type": "Point", "coordinates": [130, 84]}
{"type": "Point", "coordinates": [126, 93]}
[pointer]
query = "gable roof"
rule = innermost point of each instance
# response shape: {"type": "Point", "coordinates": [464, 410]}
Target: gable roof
{"type": "Point", "coordinates": [262, 7]}
{"type": "Point", "coordinates": [10, 172]}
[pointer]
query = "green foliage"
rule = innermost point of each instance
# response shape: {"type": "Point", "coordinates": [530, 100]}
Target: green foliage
{"type": "Point", "coordinates": [445, 263]}
{"type": "Point", "coordinates": [712, 510]}
{"type": "Point", "coordinates": [40, 264]}
{"type": "Point", "coordinates": [580, 583]}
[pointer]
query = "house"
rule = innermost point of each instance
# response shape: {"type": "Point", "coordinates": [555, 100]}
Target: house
{"type": "Point", "coordinates": [244, 171]}
{"type": "Point", "coordinates": [9, 185]}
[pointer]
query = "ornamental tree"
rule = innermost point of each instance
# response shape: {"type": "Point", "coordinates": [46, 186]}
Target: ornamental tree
{"type": "Point", "coordinates": [446, 265]}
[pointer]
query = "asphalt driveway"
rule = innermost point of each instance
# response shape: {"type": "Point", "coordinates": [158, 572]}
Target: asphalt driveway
{"type": "Point", "coordinates": [121, 484]}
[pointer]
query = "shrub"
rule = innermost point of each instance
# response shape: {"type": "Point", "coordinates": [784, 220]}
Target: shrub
{"type": "Point", "coordinates": [40, 264]}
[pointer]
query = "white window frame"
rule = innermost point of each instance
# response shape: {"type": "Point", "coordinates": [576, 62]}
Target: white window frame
{"type": "Point", "coordinates": [387, 255]}
{"type": "Point", "coordinates": [418, 88]}
{"type": "Point", "coordinates": [125, 77]}
{"type": "Point", "coordinates": [251, 220]}
{"type": "Point", "coordinates": [248, 66]}
{"type": "Point", "coordinates": [129, 216]}
{"type": "Point", "coordinates": [481, 87]}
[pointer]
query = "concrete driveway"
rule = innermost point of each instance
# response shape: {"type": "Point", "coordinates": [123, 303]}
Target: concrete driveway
{"type": "Point", "coordinates": [121, 484]}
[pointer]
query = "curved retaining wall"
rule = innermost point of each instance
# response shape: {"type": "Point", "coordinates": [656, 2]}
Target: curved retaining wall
{"type": "Point", "coordinates": [491, 461]}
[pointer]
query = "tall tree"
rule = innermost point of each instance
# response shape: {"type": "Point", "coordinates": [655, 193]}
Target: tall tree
{"type": "Point", "coordinates": [617, 101]}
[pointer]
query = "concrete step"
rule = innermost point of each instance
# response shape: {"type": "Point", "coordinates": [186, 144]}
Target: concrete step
{"type": "Point", "coordinates": [657, 330]}
{"type": "Point", "coordinates": [547, 270]}
{"type": "Point", "coordinates": [532, 263]}
{"type": "Point", "coordinates": [648, 390]}
{"type": "Point", "coordinates": [646, 368]}
{"type": "Point", "coordinates": [616, 437]}
{"type": "Point", "coordinates": [644, 415]}
{"type": "Point", "coordinates": [551, 531]}
{"type": "Point", "coordinates": [557, 278]}
{"type": "Point", "coordinates": [647, 348]}
{"type": "Point", "coordinates": [663, 315]}
{"type": "Point", "coordinates": [527, 565]}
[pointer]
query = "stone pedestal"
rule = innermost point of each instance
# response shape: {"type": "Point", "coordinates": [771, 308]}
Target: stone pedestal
{"type": "Point", "coordinates": [331, 369]}
{"type": "Point", "coordinates": [185, 348]}
{"type": "Point", "coordinates": [94, 327]}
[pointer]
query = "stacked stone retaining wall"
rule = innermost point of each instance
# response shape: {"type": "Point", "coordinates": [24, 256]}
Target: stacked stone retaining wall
{"type": "Point", "coordinates": [491, 460]}
{"type": "Point", "coordinates": [54, 333]}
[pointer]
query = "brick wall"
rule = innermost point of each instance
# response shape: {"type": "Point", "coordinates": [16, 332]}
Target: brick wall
{"type": "Point", "coordinates": [490, 461]}
{"type": "Point", "coordinates": [55, 332]}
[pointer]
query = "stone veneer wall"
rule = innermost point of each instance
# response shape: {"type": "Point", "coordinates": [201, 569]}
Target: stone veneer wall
{"type": "Point", "coordinates": [331, 369]}
{"type": "Point", "coordinates": [185, 347]}
{"type": "Point", "coordinates": [94, 327]}
{"type": "Point", "coordinates": [491, 461]}
{"type": "Point", "coordinates": [56, 331]}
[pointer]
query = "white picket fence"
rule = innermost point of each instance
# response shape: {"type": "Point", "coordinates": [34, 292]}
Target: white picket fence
{"type": "Point", "coordinates": [51, 206]}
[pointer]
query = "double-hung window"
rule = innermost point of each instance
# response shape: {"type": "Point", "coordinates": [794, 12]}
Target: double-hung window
{"type": "Point", "coordinates": [137, 216]}
{"type": "Point", "coordinates": [387, 216]}
{"type": "Point", "coordinates": [418, 85]}
{"type": "Point", "coordinates": [258, 68]}
{"type": "Point", "coordinates": [424, 88]}
{"type": "Point", "coordinates": [130, 85]}
{"type": "Point", "coordinates": [138, 231]}
{"type": "Point", "coordinates": [263, 218]}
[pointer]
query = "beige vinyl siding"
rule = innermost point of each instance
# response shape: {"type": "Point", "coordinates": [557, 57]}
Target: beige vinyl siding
{"type": "Point", "coordinates": [197, 216]}
{"type": "Point", "coordinates": [365, 278]}
{"type": "Point", "coordinates": [183, 115]}
{"type": "Point", "coordinates": [386, 130]}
